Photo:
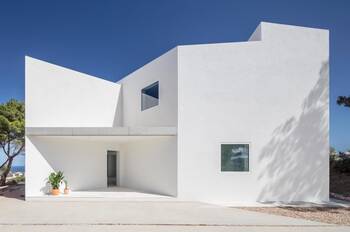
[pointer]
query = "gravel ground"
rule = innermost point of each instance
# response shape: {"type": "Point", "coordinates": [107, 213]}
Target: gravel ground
{"type": "Point", "coordinates": [330, 215]}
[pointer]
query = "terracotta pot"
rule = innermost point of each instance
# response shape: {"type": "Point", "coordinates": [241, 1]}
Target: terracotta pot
{"type": "Point", "coordinates": [55, 192]}
{"type": "Point", "coordinates": [66, 191]}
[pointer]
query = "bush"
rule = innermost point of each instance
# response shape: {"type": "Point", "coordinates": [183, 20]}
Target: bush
{"type": "Point", "coordinates": [20, 179]}
{"type": "Point", "coordinates": [340, 164]}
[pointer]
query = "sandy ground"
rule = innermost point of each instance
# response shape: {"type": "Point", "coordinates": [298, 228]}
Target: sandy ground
{"type": "Point", "coordinates": [332, 215]}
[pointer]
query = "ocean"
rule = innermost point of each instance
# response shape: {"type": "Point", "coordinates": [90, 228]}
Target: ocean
{"type": "Point", "coordinates": [17, 169]}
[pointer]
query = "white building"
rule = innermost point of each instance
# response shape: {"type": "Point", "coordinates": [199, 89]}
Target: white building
{"type": "Point", "coordinates": [228, 122]}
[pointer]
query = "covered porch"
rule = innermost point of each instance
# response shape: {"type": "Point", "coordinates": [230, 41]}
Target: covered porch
{"type": "Point", "coordinates": [145, 164]}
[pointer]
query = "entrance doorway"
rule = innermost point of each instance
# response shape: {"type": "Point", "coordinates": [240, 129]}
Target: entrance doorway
{"type": "Point", "coordinates": [112, 160]}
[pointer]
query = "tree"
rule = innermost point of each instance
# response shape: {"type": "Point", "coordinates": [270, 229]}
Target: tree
{"type": "Point", "coordinates": [332, 151]}
{"type": "Point", "coordinates": [345, 101]}
{"type": "Point", "coordinates": [11, 134]}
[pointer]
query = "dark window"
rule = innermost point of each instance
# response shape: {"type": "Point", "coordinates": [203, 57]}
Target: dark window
{"type": "Point", "coordinates": [150, 96]}
{"type": "Point", "coordinates": [234, 157]}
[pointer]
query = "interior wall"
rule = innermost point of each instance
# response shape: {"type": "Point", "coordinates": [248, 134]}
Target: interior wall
{"type": "Point", "coordinates": [83, 163]}
{"type": "Point", "coordinates": [150, 165]}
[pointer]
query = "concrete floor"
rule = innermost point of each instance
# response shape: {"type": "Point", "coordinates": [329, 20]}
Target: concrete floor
{"type": "Point", "coordinates": [105, 194]}
{"type": "Point", "coordinates": [127, 210]}
{"type": "Point", "coordinates": [147, 228]}
{"type": "Point", "coordinates": [142, 216]}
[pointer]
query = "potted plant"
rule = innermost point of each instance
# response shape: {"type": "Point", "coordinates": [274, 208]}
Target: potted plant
{"type": "Point", "coordinates": [66, 189]}
{"type": "Point", "coordinates": [55, 180]}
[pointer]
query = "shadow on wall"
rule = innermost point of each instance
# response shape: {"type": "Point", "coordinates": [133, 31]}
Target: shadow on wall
{"type": "Point", "coordinates": [118, 115]}
{"type": "Point", "coordinates": [46, 188]}
{"type": "Point", "coordinates": [82, 162]}
{"type": "Point", "coordinates": [295, 160]}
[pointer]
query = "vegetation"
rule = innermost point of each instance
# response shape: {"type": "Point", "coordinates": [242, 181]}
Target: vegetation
{"type": "Point", "coordinates": [340, 164]}
{"type": "Point", "coordinates": [339, 173]}
{"type": "Point", "coordinates": [55, 179]}
{"type": "Point", "coordinates": [344, 101]}
{"type": "Point", "coordinates": [19, 179]}
{"type": "Point", "coordinates": [11, 134]}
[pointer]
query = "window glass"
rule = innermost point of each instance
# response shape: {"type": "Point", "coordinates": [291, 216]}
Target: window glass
{"type": "Point", "coordinates": [234, 157]}
{"type": "Point", "coordinates": [150, 96]}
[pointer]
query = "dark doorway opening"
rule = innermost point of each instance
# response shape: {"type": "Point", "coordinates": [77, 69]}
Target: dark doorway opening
{"type": "Point", "coordinates": [112, 168]}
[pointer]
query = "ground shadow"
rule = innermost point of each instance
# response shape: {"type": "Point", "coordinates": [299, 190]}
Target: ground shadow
{"type": "Point", "coordinates": [15, 191]}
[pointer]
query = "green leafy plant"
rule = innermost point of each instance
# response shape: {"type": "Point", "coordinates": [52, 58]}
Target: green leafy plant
{"type": "Point", "coordinates": [55, 179]}
{"type": "Point", "coordinates": [19, 179]}
{"type": "Point", "coordinates": [11, 135]}
{"type": "Point", "coordinates": [65, 183]}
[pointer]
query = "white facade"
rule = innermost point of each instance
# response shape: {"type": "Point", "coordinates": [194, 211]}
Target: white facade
{"type": "Point", "coordinates": [270, 93]}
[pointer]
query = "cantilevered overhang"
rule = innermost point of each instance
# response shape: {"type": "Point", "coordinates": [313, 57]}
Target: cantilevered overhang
{"type": "Point", "coordinates": [101, 131]}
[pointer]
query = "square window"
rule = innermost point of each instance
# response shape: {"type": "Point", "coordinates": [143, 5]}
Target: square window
{"type": "Point", "coordinates": [234, 157]}
{"type": "Point", "coordinates": [150, 96]}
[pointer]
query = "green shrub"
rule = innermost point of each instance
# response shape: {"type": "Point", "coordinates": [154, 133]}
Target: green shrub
{"type": "Point", "coordinates": [340, 164]}
{"type": "Point", "coordinates": [55, 179]}
{"type": "Point", "coordinates": [20, 179]}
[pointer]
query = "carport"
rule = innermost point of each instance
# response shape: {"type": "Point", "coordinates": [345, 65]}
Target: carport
{"type": "Point", "coordinates": [145, 162]}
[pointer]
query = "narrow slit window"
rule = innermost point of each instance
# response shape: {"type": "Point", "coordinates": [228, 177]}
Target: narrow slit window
{"type": "Point", "coordinates": [150, 96]}
{"type": "Point", "coordinates": [234, 157]}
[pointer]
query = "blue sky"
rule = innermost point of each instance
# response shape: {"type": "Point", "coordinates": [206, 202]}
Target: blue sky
{"type": "Point", "coordinates": [110, 39]}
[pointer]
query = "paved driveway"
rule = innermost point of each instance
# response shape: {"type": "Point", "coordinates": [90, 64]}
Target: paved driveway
{"type": "Point", "coordinates": [18, 215]}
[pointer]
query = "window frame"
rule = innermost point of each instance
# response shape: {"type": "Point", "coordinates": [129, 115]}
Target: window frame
{"type": "Point", "coordinates": [249, 157]}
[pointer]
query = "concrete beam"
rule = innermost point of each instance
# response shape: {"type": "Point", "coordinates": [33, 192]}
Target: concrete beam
{"type": "Point", "coordinates": [101, 131]}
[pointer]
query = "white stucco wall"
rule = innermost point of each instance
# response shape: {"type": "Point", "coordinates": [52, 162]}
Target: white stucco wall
{"type": "Point", "coordinates": [272, 94]}
{"type": "Point", "coordinates": [150, 165]}
{"type": "Point", "coordinates": [59, 97]}
{"type": "Point", "coordinates": [82, 160]}
{"type": "Point", "coordinates": [164, 70]}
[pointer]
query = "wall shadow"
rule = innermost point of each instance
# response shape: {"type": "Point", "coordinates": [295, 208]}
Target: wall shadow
{"type": "Point", "coordinates": [118, 115]}
{"type": "Point", "coordinates": [295, 160]}
{"type": "Point", "coordinates": [83, 162]}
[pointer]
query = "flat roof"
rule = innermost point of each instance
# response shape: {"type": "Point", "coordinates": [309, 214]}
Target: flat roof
{"type": "Point", "coordinates": [101, 131]}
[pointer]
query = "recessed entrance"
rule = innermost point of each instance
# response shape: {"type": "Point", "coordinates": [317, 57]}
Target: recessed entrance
{"type": "Point", "coordinates": [112, 168]}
